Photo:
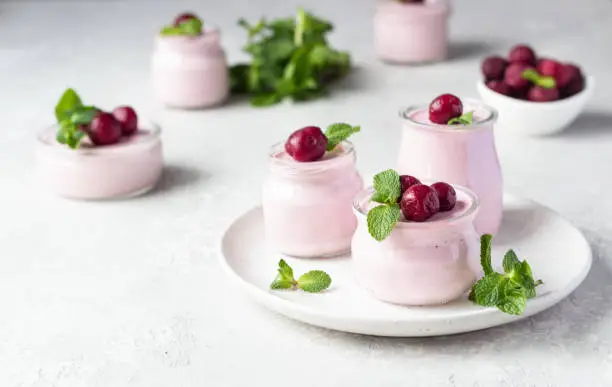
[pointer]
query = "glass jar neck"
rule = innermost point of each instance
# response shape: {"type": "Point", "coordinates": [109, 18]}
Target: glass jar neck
{"type": "Point", "coordinates": [283, 167]}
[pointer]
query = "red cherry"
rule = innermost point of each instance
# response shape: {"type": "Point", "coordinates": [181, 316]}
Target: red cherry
{"type": "Point", "coordinates": [104, 129]}
{"type": "Point", "coordinates": [444, 108]}
{"type": "Point", "coordinates": [513, 76]}
{"type": "Point", "coordinates": [567, 74]}
{"type": "Point", "coordinates": [419, 203]}
{"type": "Point", "coordinates": [446, 195]}
{"type": "Point", "coordinates": [549, 67]}
{"type": "Point", "coordinates": [574, 87]}
{"type": "Point", "coordinates": [522, 53]}
{"type": "Point", "coordinates": [499, 87]}
{"type": "Point", "coordinates": [127, 119]}
{"type": "Point", "coordinates": [493, 68]}
{"type": "Point", "coordinates": [407, 181]}
{"type": "Point", "coordinates": [306, 144]}
{"type": "Point", "coordinates": [183, 18]}
{"type": "Point", "coordinates": [540, 94]}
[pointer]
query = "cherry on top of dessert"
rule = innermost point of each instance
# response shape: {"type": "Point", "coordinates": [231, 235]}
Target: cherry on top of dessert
{"type": "Point", "coordinates": [444, 108]}
{"type": "Point", "coordinates": [306, 144]}
{"type": "Point", "coordinates": [419, 203]}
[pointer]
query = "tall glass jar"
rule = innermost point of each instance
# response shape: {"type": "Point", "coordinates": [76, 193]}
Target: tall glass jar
{"type": "Point", "coordinates": [307, 206]}
{"type": "Point", "coordinates": [419, 263]}
{"type": "Point", "coordinates": [457, 154]}
{"type": "Point", "coordinates": [406, 32]}
{"type": "Point", "coordinates": [190, 71]}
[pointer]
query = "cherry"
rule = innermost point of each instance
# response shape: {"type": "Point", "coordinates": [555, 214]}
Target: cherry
{"type": "Point", "coordinates": [574, 87]}
{"type": "Point", "coordinates": [446, 195]}
{"type": "Point", "coordinates": [549, 67]}
{"type": "Point", "coordinates": [183, 18]}
{"type": "Point", "coordinates": [567, 74]}
{"type": "Point", "coordinates": [444, 108]}
{"type": "Point", "coordinates": [104, 129]}
{"type": "Point", "coordinates": [407, 181]}
{"type": "Point", "coordinates": [522, 53]}
{"type": "Point", "coordinates": [127, 119]}
{"type": "Point", "coordinates": [419, 203]}
{"type": "Point", "coordinates": [541, 94]}
{"type": "Point", "coordinates": [306, 144]}
{"type": "Point", "coordinates": [499, 87]}
{"type": "Point", "coordinates": [513, 76]}
{"type": "Point", "coordinates": [493, 68]}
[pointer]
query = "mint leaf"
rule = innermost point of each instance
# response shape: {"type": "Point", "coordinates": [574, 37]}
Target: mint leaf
{"type": "Point", "coordinates": [171, 31]}
{"type": "Point", "coordinates": [382, 219]}
{"type": "Point", "coordinates": [488, 290]}
{"type": "Point", "coordinates": [524, 277]}
{"type": "Point", "coordinates": [387, 187]}
{"type": "Point", "coordinates": [284, 279]}
{"type": "Point", "coordinates": [465, 119]}
{"type": "Point", "coordinates": [191, 27]}
{"type": "Point", "coordinates": [83, 116]}
{"type": "Point", "coordinates": [281, 283]}
{"type": "Point", "coordinates": [60, 137]}
{"type": "Point", "coordinates": [69, 101]}
{"type": "Point", "coordinates": [485, 253]}
{"type": "Point", "coordinates": [314, 281]}
{"type": "Point", "coordinates": [513, 300]}
{"type": "Point", "coordinates": [285, 270]}
{"type": "Point", "coordinates": [511, 262]}
{"type": "Point", "coordinates": [336, 133]}
{"type": "Point", "coordinates": [266, 99]}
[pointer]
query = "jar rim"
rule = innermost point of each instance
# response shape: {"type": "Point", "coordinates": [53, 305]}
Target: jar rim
{"type": "Point", "coordinates": [466, 215]}
{"type": "Point", "coordinates": [279, 147]}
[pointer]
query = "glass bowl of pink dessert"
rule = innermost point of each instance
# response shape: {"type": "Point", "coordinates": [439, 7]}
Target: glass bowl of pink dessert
{"type": "Point", "coordinates": [462, 154]}
{"type": "Point", "coordinates": [411, 31]}
{"type": "Point", "coordinates": [427, 262]}
{"type": "Point", "coordinates": [189, 66]}
{"type": "Point", "coordinates": [308, 194]}
{"type": "Point", "coordinates": [92, 154]}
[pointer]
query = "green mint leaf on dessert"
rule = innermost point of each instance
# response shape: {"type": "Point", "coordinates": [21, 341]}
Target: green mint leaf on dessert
{"type": "Point", "coordinates": [60, 137]}
{"type": "Point", "coordinates": [171, 31]}
{"type": "Point", "coordinates": [387, 187]}
{"type": "Point", "coordinates": [485, 253]}
{"type": "Point", "coordinates": [69, 101]}
{"type": "Point", "coordinates": [381, 220]}
{"type": "Point", "coordinates": [336, 133]}
{"type": "Point", "coordinates": [314, 281]}
{"type": "Point", "coordinates": [83, 116]}
{"type": "Point", "coordinates": [465, 119]}
{"type": "Point", "coordinates": [508, 292]}
{"type": "Point", "coordinates": [191, 27]}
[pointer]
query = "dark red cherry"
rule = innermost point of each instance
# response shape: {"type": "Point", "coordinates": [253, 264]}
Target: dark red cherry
{"type": "Point", "coordinates": [306, 144]}
{"type": "Point", "coordinates": [493, 68]}
{"type": "Point", "coordinates": [574, 87]}
{"type": "Point", "coordinates": [567, 74]}
{"type": "Point", "coordinates": [127, 119]}
{"type": "Point", "coordinates": [104, 129]}
{"type": "Point", "coordinates": [444, 108]}
{"type": "Point", "coordinates": [183, 18]}
{"type": "Point", "coordinates": [499, 87]}
{"type": "Point", "coordinates": [446, 195]}
{"type": "Point", "coordinates": [419, 203]}
{"type": "Point", "coordinates": [540, 94]}
{"type": "Point", "coordinates": [522, 53]}
{"type": "Point", "coordinates": [407, 181]}
{"type": "Point", "coordinates": [549, 67]}
{"type": "Point", "coordinates": [513, 76]}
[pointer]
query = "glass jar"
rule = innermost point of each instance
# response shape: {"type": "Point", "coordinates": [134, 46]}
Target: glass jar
{"type": "Point", "coordinates": [190, 71]}
{"type": "Point", "coordinates": [411, 32]}
{"type": "Point", "coordinates": [458, 154]}
{"type": "Point", "coordinates": [307, 206]}
{"type": "Point", "coordinates": [419, 263]}
{"type": "Point", "coordinates": [129, 168]}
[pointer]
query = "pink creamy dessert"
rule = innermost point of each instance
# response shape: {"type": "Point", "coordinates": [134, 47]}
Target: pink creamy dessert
{"type": "Point", "coordinates": [128, 168]}
{"type": "Point", "coordinates": [190, 71]}
{"type": "Point", "coordinates": [458, 154]}
{"type": "Point", "coordinates": [419, 263]}
{"type": "Point", "coordinates": [307, 206]}
{"type": "Point", "coordinates": [411, 32]}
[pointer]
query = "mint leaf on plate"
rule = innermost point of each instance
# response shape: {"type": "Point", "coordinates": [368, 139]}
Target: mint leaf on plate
{"type": "Point", "coordinates": [314, 281]}
{"type": "Point", "coordinates": [387, 187]}
{"type": "Point", "coordinates": [510, 262]}
{"type": "Point", "coordinates": [487, 291]}
{"type": "Point", "coordinates": [513, 300]}
{"type": "Point", "coordinates": [381, 220]}
{"type": "Point", "coordinates": [485, 253]}
{"type": "Point", "coordinates": [336, 133]}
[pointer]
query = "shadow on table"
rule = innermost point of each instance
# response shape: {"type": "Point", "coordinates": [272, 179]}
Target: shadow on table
{"type": "Point", "coordinates": [177, 177]}
{"type": "Point", "coordinates": [589, 124]}
{"type": "Point", "coordinates": [469, 49]}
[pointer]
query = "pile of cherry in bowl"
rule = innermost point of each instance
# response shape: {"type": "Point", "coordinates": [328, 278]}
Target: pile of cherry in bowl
{"type": "Point", "coordinates": [525, 76]}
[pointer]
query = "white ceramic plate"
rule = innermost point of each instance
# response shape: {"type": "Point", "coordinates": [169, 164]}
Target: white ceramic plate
{"type": "Point", "coordinates": [557, 252]}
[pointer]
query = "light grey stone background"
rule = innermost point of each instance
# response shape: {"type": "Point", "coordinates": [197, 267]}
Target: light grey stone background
{"type": "Point", "coordinates": [130, 294]}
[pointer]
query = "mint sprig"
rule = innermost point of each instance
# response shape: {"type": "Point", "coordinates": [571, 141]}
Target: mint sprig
{"type": "Point", "coordinates": [336, 133]}
{"type": "Point", "coordinates": [465, 119]}
{"type": "Point", "coordinates": [381, 219]}
{"type": "Point", "coordinates": [314, 281]}
{"type": "Point", "coordinates": [71, 116]}
{"type": "Point", "coordinates": [509, 291]}
{"type": "Point", "coordinates": [290, 58]}
{"type": "Point", "coordinates": [190, 27]}
{"type": "Point", "coordinates": [544, 81]}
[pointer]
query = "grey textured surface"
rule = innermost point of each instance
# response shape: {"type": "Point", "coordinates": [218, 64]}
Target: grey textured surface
{"type": "Point", "coordinates": [130, 294]}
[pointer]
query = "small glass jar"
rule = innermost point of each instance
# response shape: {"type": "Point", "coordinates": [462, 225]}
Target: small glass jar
{"type": "Point", "coordinates": [419, 263]}
{"type": "Point", "coordinates": [307, 206]}
{"type": "Point", "coordinates": [411, 32]}
{"type": "Point", "coordinates": [129, 168]}
{"type": "Point", "coordinates": [457, 154]}
{"type": "Point", "coordinates": [190, 71]}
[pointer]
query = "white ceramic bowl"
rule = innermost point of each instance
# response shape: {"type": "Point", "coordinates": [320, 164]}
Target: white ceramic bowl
{"type": "Point", "coordinates": [535, 118]}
